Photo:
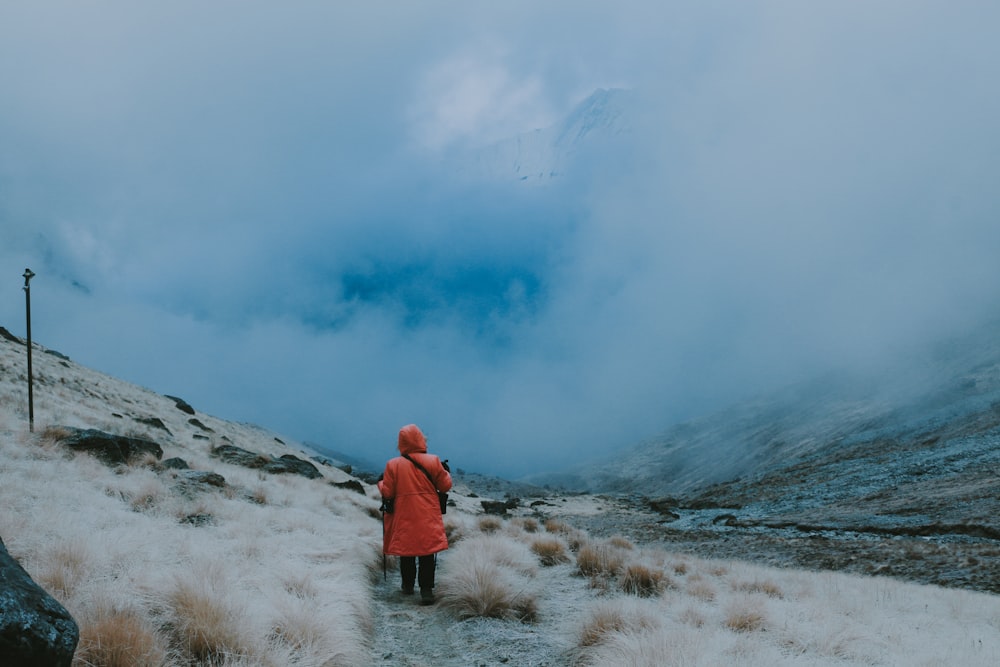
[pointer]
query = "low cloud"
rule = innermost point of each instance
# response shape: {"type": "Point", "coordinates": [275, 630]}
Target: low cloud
{"type": "Point", "coordinates": [249, 217]}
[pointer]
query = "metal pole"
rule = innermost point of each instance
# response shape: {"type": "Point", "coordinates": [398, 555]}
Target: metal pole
{"type": "Point", "coordinates": [28, 275]}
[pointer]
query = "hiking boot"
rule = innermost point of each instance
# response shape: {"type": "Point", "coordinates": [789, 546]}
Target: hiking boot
{"type": "Point", "coordinates": [407, 590]}
{"type": "Point", "coordinates": [426, 596]}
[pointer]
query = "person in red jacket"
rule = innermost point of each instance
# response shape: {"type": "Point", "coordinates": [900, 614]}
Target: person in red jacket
{"type": "Point", "coordinates": [414, 529]}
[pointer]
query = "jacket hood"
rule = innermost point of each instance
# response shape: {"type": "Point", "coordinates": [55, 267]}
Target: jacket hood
{"type": "Point", "coordinates": [411, 440]}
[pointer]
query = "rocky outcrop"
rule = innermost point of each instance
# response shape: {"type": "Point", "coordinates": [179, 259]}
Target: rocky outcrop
{"type": "Point", "coordinates": [284, 464]}
{"type": "Point", "coordinates": [181, 404]}
{"type": "Point", "coordinates": [34, 628]}
{"type": "Point", "coordinates": [109, 448]}
{"type": "Point", "coordinates": [6, 335]}
{"type": "Point", "coordinates": [201, 478]}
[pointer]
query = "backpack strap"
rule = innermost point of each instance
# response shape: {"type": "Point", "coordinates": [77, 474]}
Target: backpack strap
{"type": "Point", "coordinates": [422, 469]}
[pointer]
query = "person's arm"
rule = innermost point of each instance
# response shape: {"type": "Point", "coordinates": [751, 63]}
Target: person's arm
{"type": "Point", "coordinates": [387, 485]}
{"type": "Point", "coordinates": [442, 480]}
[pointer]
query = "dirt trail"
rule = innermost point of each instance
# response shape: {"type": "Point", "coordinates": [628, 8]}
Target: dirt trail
{"type": "Point", "coordinates": [407, 634]}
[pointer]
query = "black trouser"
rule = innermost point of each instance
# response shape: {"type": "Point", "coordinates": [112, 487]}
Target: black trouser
{"type": "Point", "coordinates": [408, 568]}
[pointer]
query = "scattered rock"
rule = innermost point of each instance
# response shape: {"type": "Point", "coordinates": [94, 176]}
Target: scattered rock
{"type": "Point", "coordinates": [664, 507]}
{"type": "Point", "coordinates": [283, 464]}
{"type": "Point", "coordinates": [351, 485]}
{"type": "Point", "coordinates": [57, 355]}
{"type": "Point", "coordinates": [279, 441]}
{"type": "Point", "coordinates": [726, 520]}
{"type": "Point", "coordinates": [181, 404]}
{"type": "Point", "coordinates": [9, 336]}
{"type": "Point", "coordinates": [201, 477]}
{"type": "Point", "coordinates": [198, 519]}
{"type": "Point", "coordinates": [293, 464]}
{"type": "Point", "coordinates": [155, 422]}
{"type": "Point", "coordinates": [197, 423]}
{"type": "Point", "coordinates": [175, 463]}
{"type": "Point", "coordinates": [495, 507]}
{"type": "Point", "coordinates": [366, 477]}
{"type": "Point", "coordinates": [109, 448]}
{"type": "Point", "coordinates": [34, 628]}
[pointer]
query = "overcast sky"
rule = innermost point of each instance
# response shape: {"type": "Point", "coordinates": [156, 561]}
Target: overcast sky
{"type": "Point", "coordinates": [244, 204]}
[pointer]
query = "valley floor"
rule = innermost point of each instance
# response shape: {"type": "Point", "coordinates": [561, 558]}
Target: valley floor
{"type": "Point", "coordinates": [952, 561]}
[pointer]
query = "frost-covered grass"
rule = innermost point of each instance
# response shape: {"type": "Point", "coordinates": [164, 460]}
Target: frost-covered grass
{"type": "Point", "coordinates": [270, 570]}
{"type": "Point", "coordinates": [280, 583]}
{"type": "Point", "coordinates": [278, 570]}
{"type": "Point", "coordinates": [750, 615]}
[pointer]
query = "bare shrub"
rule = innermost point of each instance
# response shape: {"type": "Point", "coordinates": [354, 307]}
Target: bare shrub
{"type": "Point", "coordinates": [481, 590]}
{"type": "Point", "coordinates": [745, 616]}
{"type": "Point", "coordinates": [453, 530]}
{"type": "Point", "coordinates": [51, 436]}
{"type": "Point", "coordinates": [642, 580]}
{"type": "Point", "coordinates": [614, 617]}
{"type": "Point", "coordinates": [489, 524]}
{"type": "Point", "coordinates": [148, 495]}
{"type": "Point", "coordinates": [529, 525]}
{"type": "Point", "coordinates": [259, 495]}
{"type": "Point", "coordinates": [701, 590]}
{"type": "Point", "coordinates": [119, 638]}
{"type": "Point", "coordinates": [550, 551]}
{"type": "Point", "coordinates": [204, 625]}
{"type": "Point", "coordinates": [600, 560]}
{"type": "Point", "coordinates": [489, 576]}
{"type": "Point", "coordinates": [621, 542]}
{"type": "Point", "coordinates": [556, 526]}
{"type": "Point", "coordinates": [767, 587]}
{"type": "Point", "coordinates": [68, 565]}
{"type": "Point", "coordinates": [692, 617]}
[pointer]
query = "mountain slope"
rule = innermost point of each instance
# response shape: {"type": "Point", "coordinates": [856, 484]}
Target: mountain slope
{"type": "Point", "coordinates": [542, 155]}
{"type": "Point", "coordinates": [894, 472]}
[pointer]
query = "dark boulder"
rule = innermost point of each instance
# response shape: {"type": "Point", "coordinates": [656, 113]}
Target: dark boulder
{"type": "Point", "coordinates": [6, 335]}
{"type": "Point", "coordinates": [201, 477]}
{"type": "Point", "coordinates": [281, 465]}
{"type": "Point", "coordinates": [34, 628]}
{"type": "Point", "coordinates": [175, 463]}
{"type": "Point", "coordinates": [197, 423]}
{"type": "Point", "coordinates": [495, 507]}
{"type": "Point", "coordinates": [350, 485]}
{"type": "Point", "coordinates": [238, 456]}
{"type": "Point", "coordinates": [155, 422]}
{"type": "Point", "coordinates": [181, 404]}
{"type": "Point", "coordinates": [293, 464]}
{"type": "Point", "coordinates": [109, 448]}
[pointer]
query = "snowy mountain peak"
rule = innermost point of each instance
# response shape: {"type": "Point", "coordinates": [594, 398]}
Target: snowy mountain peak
{"type": "Point", "coordinates": [541, 155]}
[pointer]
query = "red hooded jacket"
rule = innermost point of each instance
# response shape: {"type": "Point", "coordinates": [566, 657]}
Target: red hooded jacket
{"type": "Point", "coordinates": [415, 527]}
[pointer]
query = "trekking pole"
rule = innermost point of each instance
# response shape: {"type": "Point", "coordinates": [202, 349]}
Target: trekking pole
{"type": "Point", "coordinates": [385, 577]}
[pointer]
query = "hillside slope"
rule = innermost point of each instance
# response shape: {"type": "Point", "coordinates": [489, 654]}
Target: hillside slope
{"type": "Point", "coordinates": [890, 472]}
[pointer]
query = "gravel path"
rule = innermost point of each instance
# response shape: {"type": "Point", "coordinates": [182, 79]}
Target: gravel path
{"type": "Point", "coordinates": [407, 634]}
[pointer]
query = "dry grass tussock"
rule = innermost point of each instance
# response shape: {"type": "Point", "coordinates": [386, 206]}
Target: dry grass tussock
{"type": "Point", "coordinates": [550, 550]}
{"type": "Point", "coordinates": [490, 576]}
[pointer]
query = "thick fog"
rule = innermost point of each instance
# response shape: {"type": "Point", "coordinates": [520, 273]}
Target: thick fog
{"type": "Point", "coordinates": [255, 206]}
